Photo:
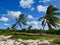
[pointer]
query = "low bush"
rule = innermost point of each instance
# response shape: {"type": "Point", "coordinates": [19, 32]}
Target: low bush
{"type": "Point", "coordinates": [57, 41]}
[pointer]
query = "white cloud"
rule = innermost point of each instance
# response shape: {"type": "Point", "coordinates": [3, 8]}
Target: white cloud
{"type": "Point", "coordinates": [44, 1]}
{"type": "Point", "coordinates": [40, 22]}
{"type": "Point", "coordinates": [28, 22]}
{"type": "Point", "coordinates": [41, 8]}
{"type": "Point", "coordinates": [32, 9]}
{"type": "Point", "coordinates": [6, 24]}
{"type": "Point", "coordinates": [34, 24]}
{"type": "Point", "coordinates": [40, 1]}
{"type": "Point", "coordinates": [33, 18]}
{"type": "Point", "coordinates": [30, 17]}
{"type": "Point", "coordinates": [36, 27]}
{"type": "Point", "coordinates": [14, 14]}
{"type": "Point", "coordinates": [26, 3]}
{"type": "Point", "coordinates": [5, 19]}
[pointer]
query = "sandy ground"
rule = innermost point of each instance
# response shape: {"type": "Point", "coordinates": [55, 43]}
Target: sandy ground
{"type": "Point", "coordinates": [5, 40]}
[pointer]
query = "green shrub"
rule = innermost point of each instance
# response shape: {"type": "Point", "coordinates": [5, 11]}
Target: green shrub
{"type": "Point", "coordinates": [57, 41]}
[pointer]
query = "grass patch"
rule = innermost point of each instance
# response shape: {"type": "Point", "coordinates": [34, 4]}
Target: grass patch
{"type": "Point", "coordinates": [34, 36]}
{"type": "Point", "coordinates": [57, 41]}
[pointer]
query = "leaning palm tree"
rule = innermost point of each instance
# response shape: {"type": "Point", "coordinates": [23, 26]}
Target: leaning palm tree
{"type": "Point", "coordinates": [20, 20]}
{"type": "Point", "coordinates": [50, 18]}
{"type": "Point", "coordinates": [29, 28]}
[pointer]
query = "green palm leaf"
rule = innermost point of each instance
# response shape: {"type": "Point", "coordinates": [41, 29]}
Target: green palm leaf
{"type": "Point", "coordinates": [50, 17]}
{"type": "Point", "coordinates": [20, 20]}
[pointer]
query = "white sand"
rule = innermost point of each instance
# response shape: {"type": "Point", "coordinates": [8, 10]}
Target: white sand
{"type": "Point", "coordinates": [4, 40]}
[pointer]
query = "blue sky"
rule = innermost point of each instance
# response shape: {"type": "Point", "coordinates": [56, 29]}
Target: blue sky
{"type": "Point", "coordinates": [33, 9]}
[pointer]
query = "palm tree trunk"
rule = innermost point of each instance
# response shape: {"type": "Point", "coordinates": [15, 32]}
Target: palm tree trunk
{"type": "Point", "coordinates": [15, 27]}
{"type": "Point", "coordinates": [41, 32]}
{"type": "Point", "coordinates": [49, 26]}
{"type": "Point", "coordinates": [28, 30]}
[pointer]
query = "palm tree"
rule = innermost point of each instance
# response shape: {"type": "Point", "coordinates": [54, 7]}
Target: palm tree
{"type": "Point", "coordinates": [50, 18]}
{"type": "Point", "coordinates": [20, 20]}
{"type": "Point", "coordinates": [29, 28]}
{"type": "Point", "coordinates": [8, 28]}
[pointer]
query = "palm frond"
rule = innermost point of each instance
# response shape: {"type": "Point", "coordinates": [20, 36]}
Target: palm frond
{"type": "Point", "coordinates": [40, 18]}
{"type": "Point", "coordinates": [49, 25]}
{"type": "Point", "coordinates": [56, 13]}
{"type": "Point", "coordinates": [20, 24]}
{"type": "Point", "coordinates": [49, 9]}
{"type": "Point", "coordinates": [50, 17]}
{"type": "Point", "coordinates": [43, 24]}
